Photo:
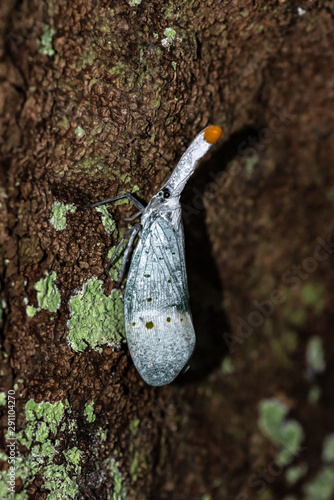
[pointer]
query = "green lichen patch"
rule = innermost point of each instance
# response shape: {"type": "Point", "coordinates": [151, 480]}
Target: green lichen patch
{"type": "Point", "coordinates": [119, 486]}
{"type": "Point", "coordinates": [139, 462]}
{"type": "Point", "coordinates": [59, 211]}
{"type": "Point", "coordinates": [170, 35]}
{"type": "Point", "coordinates": [286, 434]}
{"type": "Point", "coordinates": [170, 10]}
{"type": "Point", "coordinates": [79, 131]}
{"type": "Point", "coordinates": [95, 318]}
{"type": "Point", "coordinates": [322, 486]}
{"type": "Point", "coordinates": [31, 311]}
{"type": "Point", "coordinates": [102, 434]}
{"type": "Point", "coordinates": [72, 456]}
{"type": "Point", "coordinates": [251, 163]}
{"type": "Point", "coordinates": [45, 42]}
{"type": "Point", "coordinates": [42, 419]}
{"type": "Point", "coordinates": [135, 189]}
{"type": "Point", "coordinates": [86, 58]}
{"type": "Point", "coordinates": [315, 357]}
{"type": "Point", "coordinates": [328, 449]}
{"type": "Point", "coordinates": [59, 483]}
{"type": "Point", "coordinates": [313, 295]}
{"type": "Point", "coordinates": [295, 473]}
{"type": "Point", "coordinates": [61, 480]}
{"type": "Point", "coordinates": [2, 398]}
{"type": "Point", "coordinates": [5, 494]}
{"type": "Point", "coordinates": [139, 455]}
{"type": "Point", "coordinates": [92, 165]}
{"type": "Point", "coordinates": [89, 412]}
{"type": "Point", "coordinates": [227, 366]}
{"type": "Point", "coordinates": [107, 220]}
{"type": "Point", "coordinates": [118, 69]}
{"type": "Point", "coordinates": [39, 437]}
{"type": "Point", "coordinates": [289, 339]}
{"type": "Point", "coordinates": [63, 122]}
{"type": "Point", "coordinates": [293, 311]}
{"type": "Point", "coordinates": [133, 426]}
{"type": "Point", "coordinates": [125, 76]}
{"type": "Point", "coordinates": [116, 267]}
{"type": "Point", "coordinates": [314, 394]}
{"type": "Point", "coordinates": [48, 295]}
{"type": "Point", "coordinates": [134, 3]}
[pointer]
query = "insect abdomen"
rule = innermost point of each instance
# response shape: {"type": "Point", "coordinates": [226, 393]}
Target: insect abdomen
{"type": "Point", "coordinates": [160, 344]}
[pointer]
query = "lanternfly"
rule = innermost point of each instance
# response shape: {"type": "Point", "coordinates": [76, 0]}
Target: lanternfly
{"type": "Point", "coordinates": [158, 322]}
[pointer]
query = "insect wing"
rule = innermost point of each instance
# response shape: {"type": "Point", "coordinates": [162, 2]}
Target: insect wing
{"type": "Point", "coordinates": [158, 322]}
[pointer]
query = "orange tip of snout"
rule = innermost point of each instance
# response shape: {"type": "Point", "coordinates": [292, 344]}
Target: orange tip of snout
{"type": "Point", "coordinates": [212, 134]}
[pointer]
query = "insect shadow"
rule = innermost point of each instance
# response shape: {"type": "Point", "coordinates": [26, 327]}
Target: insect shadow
{"type": "Point", "coordinates": [205, 286]}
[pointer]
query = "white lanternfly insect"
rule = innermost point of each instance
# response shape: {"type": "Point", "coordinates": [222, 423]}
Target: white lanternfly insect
{"type": "Point", "coordinates": [158, 323]}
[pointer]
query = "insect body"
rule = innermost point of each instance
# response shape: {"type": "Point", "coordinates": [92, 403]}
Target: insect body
{"type": "Point", "coordinates": [158, 323]}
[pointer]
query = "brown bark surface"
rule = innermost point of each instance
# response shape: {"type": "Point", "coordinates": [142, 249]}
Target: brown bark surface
{"type": "Point", "coordinates": [102, 106]}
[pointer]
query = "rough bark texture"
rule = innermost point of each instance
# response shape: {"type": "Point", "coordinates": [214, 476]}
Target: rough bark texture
{"type": "Point", "coordinates": [98, 98]}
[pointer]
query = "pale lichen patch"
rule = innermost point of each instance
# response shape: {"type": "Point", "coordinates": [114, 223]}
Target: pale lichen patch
{"type": "Point", "coordinates": [59, 211]}
{"type": "Point", "coordinates": [48, 295]}
{"type": "Point", "coordinates": [96, 319]}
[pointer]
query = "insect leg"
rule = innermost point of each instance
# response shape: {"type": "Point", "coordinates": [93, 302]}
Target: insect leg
{"type": "Point", "coordinates": [115, 254]}
{"type": "Point", "coordinates": [129, 196]}
{"type": "Point", "coordinates": [136, 230]}
{"type": "Point", "coordinates": [134, 216]}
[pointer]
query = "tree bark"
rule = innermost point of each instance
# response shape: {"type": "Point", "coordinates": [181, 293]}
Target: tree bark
{"type": "Point", "coordinates": [102, 98]}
